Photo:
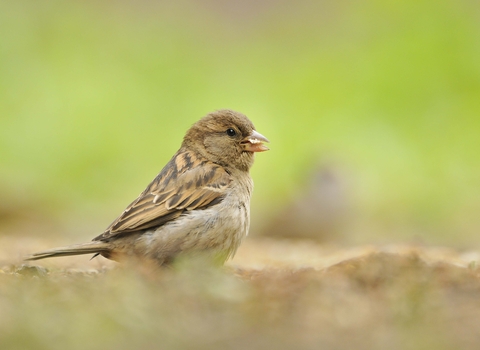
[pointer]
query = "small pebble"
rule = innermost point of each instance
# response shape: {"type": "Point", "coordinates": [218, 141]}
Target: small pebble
{"type": "Point", "coordinates": [32, 271]}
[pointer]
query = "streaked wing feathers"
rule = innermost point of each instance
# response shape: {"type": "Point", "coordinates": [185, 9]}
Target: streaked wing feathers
{"type": "Point", "coordinates": [186, 183]}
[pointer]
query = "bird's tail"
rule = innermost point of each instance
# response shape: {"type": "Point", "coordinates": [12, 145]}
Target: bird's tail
{"type": "Point", "coordinates": [94, 247]}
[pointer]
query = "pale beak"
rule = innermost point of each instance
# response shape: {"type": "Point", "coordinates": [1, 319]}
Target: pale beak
{"type": "Point", "coordinates": [254, 142]}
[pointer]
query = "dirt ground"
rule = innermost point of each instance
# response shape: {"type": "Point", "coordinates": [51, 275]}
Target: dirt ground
{"type": "Point", "coordinates": [275, 294]}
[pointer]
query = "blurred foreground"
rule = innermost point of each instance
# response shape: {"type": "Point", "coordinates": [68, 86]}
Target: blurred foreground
{"type": "Point", "coordinates": [274, 294]}
{"type": "Point", "coordinates": [372, 109]}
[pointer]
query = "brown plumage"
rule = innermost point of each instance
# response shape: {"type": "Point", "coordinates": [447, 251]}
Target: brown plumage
{"type": "Point", "coordinates": [199, 202]}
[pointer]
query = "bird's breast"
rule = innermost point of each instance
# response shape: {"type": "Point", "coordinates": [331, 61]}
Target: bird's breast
{"type": "Point", "coordinates": [219, 229]}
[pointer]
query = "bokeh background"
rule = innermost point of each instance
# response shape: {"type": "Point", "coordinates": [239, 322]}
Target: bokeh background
{"type": "Point", "coordinates": [373, 112]}
{"type": "Point", "coordinates": [372, 109]}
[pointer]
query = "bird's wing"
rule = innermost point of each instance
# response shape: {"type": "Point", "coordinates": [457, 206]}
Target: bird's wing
{"type": "Point", "coordinates": [186, 183]}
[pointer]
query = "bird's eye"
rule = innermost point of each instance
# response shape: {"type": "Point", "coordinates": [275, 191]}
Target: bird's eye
{"type": "Point", "coordinates": [231, 132]}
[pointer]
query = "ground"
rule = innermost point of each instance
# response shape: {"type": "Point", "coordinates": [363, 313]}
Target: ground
{"type": "Point", "coordinates": [280, 294]}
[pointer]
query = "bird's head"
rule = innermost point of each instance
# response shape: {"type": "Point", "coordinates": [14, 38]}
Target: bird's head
{"type": "Point", "coordinates": [227, 138]}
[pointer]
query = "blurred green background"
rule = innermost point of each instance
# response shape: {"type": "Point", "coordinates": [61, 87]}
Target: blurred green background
{"type": "Point", "coordinates": [95, 98]}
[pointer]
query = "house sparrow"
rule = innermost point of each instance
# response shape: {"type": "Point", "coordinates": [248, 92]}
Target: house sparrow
{"type": "Point", "coordinates": [199, 202]}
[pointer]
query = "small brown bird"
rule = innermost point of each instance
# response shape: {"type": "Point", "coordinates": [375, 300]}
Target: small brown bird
{"type": "Point", "coordinates": [199, 202]}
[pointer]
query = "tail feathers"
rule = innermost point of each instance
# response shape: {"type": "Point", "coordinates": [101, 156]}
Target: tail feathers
{"type": "Point", "coordinates": [76, 249]}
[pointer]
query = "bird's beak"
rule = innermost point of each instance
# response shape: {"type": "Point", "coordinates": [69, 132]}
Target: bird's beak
{"type": "Point", "coordinates": [254, 142]}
